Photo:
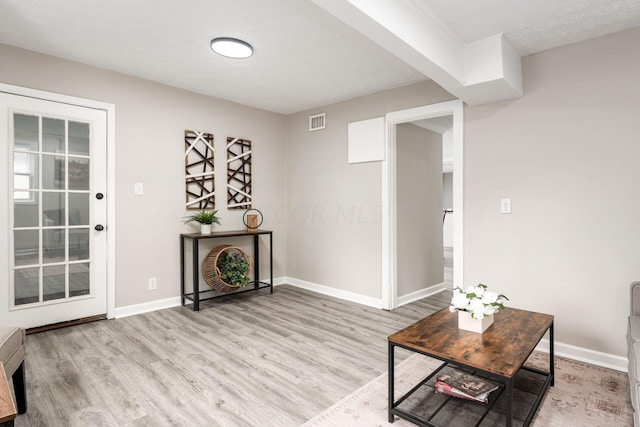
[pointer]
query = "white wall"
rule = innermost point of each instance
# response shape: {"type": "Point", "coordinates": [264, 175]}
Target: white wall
{"type": "Point", "coordinates": [150, 123]}
{"type": "Point", "coordinates": [566, 153]}
{"type": "Point", "coordinates": [334, 232]}
{"type": "Point", "coordinates": [419, 208]}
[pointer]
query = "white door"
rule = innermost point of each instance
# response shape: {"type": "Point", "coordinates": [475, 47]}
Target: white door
{"type": "Point", "coordinates": [53, 208]}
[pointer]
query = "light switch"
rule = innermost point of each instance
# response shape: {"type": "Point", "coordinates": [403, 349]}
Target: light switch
{"type": "Point", "coordinates": [505, 206]}
{"type": "Point", "coordinates": [138, 189]}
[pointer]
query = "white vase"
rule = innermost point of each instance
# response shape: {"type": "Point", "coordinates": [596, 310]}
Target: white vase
{"type": "Point", "coordinates": [468, 323]}
{"type": "Point", "coordinates": [205, 228]}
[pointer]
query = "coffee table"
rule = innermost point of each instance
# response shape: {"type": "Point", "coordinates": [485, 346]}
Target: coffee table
{"type": "Point", "coordinates": [498, 354]}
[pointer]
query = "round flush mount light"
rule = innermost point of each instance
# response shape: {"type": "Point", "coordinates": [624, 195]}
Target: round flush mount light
{"type": "Point", "coordinates": [231, 48]}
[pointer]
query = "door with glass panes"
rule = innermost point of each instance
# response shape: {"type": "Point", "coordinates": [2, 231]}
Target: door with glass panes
{"type": "Point", "coordinates": [53, 211]}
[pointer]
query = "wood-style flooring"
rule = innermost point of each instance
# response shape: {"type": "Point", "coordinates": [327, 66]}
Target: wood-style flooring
{"type": "Point", "coordinates": [258, 359]}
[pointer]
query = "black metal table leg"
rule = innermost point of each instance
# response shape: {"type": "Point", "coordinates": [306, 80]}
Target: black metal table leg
{"type": "Point", "coordinates": [196, 277]}
{"type": "Point", "coordinates": [551, 360]}
{"type": "Point", "coordinates": [509, 390]}
{"type": "Point", "coordinates": [391, 382]}
{"type": "Point", "coordinates": [182, 270]}
{"type": "Point", "coordinates": [256, 257]}
{"type": "Point", "coordinates": [271, 262]}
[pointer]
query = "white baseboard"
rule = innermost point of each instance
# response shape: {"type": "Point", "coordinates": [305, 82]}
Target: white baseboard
{"type": "Point", "coordinates": [421, 293]}
{"type": "Point", "coordinates": [592, 357]}
{"type": "Point", "coordinates": [581, 354]}
{"type": "Point", "coordinates": [337, 293]}
{"type": "Point", "coordinates": [146, 307]}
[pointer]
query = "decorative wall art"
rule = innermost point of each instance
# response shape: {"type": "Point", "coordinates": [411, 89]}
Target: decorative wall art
{"type": "Point", "coordinates": [238, 173]}
{"type": "Point", "coordinates": [198, 161]}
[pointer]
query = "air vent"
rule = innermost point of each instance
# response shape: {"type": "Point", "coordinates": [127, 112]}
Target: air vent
{"type": "Point", "coordinates": [317, 122]}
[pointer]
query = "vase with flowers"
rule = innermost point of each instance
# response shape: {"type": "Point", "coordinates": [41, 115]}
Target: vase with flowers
{"type": "Point", "coordinates": [476, 306]}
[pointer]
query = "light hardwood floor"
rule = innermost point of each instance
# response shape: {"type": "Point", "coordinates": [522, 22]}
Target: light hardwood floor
{"type": "Point", "coordinates": [259, 359]}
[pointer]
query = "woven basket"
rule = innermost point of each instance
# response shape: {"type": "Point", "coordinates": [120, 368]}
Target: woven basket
{"type": "Point", "coordinates": [211, 272]}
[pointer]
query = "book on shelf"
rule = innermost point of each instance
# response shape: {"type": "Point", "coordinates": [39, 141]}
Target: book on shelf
{"type": "Point", "coordinates": [461, 384]}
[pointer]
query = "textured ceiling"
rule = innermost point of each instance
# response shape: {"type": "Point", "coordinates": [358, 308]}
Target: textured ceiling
{"type": "Point", "coordinates": [304, 57]}
{"type": "Point", "coordinates": [535, 25]}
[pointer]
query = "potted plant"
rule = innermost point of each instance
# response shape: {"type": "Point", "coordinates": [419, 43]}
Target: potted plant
{"type": "Point", "coordinates": [205, 218]}
{"type": "Point", "coordinates": [234, 268]}
{"type": "Point", "coordinates": [476, 307]}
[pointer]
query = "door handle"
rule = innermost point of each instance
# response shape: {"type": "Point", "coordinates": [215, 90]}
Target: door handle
{"type": "Point", "coordinates": [99, 196]}
{"type": "Point", "coordinates": [99, 227]}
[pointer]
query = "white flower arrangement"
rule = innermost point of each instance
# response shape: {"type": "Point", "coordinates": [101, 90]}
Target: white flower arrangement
{"type": "Point", "coordinates": [478, 301]}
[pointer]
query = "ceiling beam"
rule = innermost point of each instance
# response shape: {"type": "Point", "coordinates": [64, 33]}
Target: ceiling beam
{"type": "Point", "coordinates": [485, 71]}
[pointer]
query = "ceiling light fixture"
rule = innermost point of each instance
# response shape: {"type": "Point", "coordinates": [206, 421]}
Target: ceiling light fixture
{"type": "Point", "coordinates": [231, 48]}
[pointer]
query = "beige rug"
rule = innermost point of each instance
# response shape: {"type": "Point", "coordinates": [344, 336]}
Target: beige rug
{"type": "Point", "coordinates": [583, 395]}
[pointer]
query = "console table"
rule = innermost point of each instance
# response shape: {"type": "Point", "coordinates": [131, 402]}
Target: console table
{"type": "Point", "coordinates": [498, 354]}
{"type": "Point", "coordinates": [196, 294]}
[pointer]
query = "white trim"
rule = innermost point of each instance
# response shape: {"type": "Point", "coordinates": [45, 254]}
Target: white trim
{"type": "Point", "coordinates": [110, 109]}
{"type": "Point", "coordinates": [336, 293]}
{"type": "Point", "coordinates": [161, 304]}
{"type": "Point", "coordinates": [146, 307]}
{"type": "Point", "coordinates": [568, 351]}
{"type": "Point", "coordinates": [421, 293]}
{"type": "Point", "coordinates": [389, 200]}
{"type": "Point", "coordinates": [581, 354]}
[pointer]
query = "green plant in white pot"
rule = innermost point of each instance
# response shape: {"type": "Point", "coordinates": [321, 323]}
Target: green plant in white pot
{"type": "Point", "coordinates": [206, 220]}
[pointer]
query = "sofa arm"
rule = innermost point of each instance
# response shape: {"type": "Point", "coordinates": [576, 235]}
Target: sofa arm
{"type": "Point", "coordinates": [635, 299]}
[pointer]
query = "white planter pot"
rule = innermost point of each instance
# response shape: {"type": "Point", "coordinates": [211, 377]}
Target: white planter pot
{"type": "Point", "coordinates": [205, 228]}
{"type": "Point", "coordinates": [468, 323]}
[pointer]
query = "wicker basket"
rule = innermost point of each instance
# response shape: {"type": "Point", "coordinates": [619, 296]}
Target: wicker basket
{"type": "Point", "coordinates": [211, 272]}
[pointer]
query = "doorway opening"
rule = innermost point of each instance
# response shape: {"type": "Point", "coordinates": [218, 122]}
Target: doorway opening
{"type": "Point", "coordinates": [446, 114]}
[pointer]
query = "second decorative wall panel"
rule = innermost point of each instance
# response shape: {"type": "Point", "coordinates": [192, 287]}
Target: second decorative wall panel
{"type": "Point", "coordinates": [238, 173]}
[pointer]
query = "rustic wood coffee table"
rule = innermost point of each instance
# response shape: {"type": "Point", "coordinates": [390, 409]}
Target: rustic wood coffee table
{"type": "Point", "coordinates": [498, 354]}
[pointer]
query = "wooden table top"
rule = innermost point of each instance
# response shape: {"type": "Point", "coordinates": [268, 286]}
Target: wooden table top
{"type": "Point", "coordinates": [502, 349]}
{"type": "Point", "coordinates": [7, 408]}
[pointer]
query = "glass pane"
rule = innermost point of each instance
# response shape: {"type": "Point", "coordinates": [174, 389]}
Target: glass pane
{"type": "Point", "coordinates": [78, 244]}
{"type": "Point", "coordinates": [25, 284]}
{"type": "Point", "coordinates": [79, 138]}
{"type": "Point", "coordinates": [25, 132]}
{"type": "Point", "coordinates": [25, 210]}
{"type": "Point", "coordinates": [78, 173]}
{"type": "Point", "coordinates": [52, 209]}
{"type": "Point", "coordinates": [25, 247]}
{"type": "Point", "coordinates": [52, 172]}
{"type": "Point", "coordinates": [25, 171]}
{"type": "Point", "coordinates": [52, 246]}
{"type": "Point", "coordinates": [53, 282]}
{"type": "Point", "coordinates": [79, 279]}
{"type": "Point", "coordinates": [52, 135]}
{"type": "Point", "coordinates": [78, 208]}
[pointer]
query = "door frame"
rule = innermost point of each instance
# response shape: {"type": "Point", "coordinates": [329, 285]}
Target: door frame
{"type": "Point", "coordinates": [110, 110]}
{"type": "Point", "coordinates": [389, 262]}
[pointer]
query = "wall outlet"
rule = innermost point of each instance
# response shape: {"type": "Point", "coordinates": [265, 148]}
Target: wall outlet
{"type": "Point", "coordinates": [138, 189]}
{"type": "Point", "coordinates": [505, 206]}
{"type": "Point", "coordinates": [153, 284]}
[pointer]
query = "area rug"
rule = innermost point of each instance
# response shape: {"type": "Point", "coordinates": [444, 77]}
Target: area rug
{"type": "Point", "coordinates": [583, 395]}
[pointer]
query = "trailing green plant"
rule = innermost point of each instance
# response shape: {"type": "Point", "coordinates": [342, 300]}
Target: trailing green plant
{"type": "Point", "coordinates": [204, 217]}
{"type": "Point", "coordinates": [234, 268]}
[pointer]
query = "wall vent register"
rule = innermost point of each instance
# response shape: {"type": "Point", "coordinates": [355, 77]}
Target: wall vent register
{"type": "Point", "coordinates": [317, 121]}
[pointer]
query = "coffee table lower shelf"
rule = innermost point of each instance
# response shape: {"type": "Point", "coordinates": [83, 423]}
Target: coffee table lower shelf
{"type": "Point", "coordinates": [423, 406]}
